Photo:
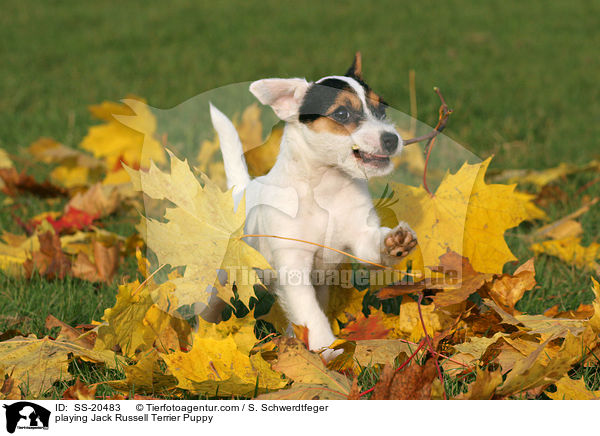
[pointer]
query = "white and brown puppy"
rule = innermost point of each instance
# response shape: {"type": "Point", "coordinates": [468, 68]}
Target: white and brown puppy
{"type": "Point", "coordinates": [336, 136]}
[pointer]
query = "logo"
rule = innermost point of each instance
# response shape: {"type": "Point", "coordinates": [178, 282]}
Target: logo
{"type": "Point", "coordinates": [26, 415]}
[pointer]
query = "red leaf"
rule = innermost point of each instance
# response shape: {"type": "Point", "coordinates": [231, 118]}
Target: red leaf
{"type": "Point", "coordinates": [73, 219]}
{"type": "Point", "coordinates": [364, 328]}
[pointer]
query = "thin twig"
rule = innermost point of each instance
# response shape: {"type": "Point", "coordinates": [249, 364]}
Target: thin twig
{"type": "Point", "coordinates": [413, 102]}
{"type": "Point", "coordinates": [444, 114]}
{"type": "Point", "coordinates": [430, 345]}
{"type": "Point", "coordinates": [443, 356]}
{"type": "Point", "coordinates": [587, 186]}
{"type": "Point", "coordinates": [136, 290]}
{"type": "Point", "coordinates": [411, 357]}
{"type": "Point", "coordinates": [328, 248]}
{"type": "Point", "coordinates": [543, 231]}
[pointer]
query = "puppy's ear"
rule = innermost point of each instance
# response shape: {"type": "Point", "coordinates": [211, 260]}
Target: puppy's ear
{"type": "Point", "coordinates": [283, 95]}
{"type": "Point", "coordinates": [355, 69]}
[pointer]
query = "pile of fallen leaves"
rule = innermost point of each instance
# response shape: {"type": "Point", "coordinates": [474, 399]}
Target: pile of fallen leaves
{"type": "Point", "coordinates": [447, 314]}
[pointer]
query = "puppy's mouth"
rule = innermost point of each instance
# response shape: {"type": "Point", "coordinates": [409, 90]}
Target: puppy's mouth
{"type": "Point", "coordinates": [371, 159]}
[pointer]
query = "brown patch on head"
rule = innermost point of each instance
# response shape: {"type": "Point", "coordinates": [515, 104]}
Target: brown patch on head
{"type": "Point", "coordinates": [373, 98]}
{"type": "Point", "coordinates": [348, 99]}
{"type": "Point", "coordinates": [327, 125]}
{"type": "Point", "coordinates": [376, 104]}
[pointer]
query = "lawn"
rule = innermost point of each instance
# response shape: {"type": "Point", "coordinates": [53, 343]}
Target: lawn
{"type": "Point", "coordinates": [520, 76]}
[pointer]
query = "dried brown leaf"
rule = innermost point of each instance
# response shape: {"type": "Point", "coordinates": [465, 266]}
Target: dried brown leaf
{"type": "Point", "coordinates": [16, 183]}
{"type": "Point", "coordinates": [412, 383]}
{"type": "Point", "coordinates": [69, 333]}
{"type": "Point", "coordinates": [484, 386]}
{"type": "Point", "coordinates": [49, 261]}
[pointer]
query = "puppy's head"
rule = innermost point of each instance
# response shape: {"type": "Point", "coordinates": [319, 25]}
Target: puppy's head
{"type": "Point", "coordinates": [342, 120]}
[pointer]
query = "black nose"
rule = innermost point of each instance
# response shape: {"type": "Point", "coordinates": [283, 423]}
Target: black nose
{"type": "Point", "coordinates": [389, 142]}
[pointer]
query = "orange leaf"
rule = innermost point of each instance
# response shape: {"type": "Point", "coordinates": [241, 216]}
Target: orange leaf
{"type": "Point", "coordinates": [301, 332]}
{"type": "Point", "coordinates": [80, 391]}
{"type": "Point", "coordinates": [362, 328]}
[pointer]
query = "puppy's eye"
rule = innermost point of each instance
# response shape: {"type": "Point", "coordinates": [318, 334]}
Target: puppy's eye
{"type": "Point", "coordinates": [341, 114]}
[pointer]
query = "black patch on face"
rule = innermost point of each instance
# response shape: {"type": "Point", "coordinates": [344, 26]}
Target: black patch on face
{"type": "Point", "coordinates": [319, 98]}
{"type": "Point", "coordinates": [377, 108]}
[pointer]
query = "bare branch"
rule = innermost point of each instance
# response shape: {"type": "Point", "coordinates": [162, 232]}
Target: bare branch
{"type": "Point", "coordinates": [444, 114]}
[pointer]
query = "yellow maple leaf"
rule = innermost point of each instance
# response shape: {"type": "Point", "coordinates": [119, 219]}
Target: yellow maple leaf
{"type": "Point", "coordinates": [137, 321]}
{"type": "Point", "coordinates": [278, 318]}
{"type": "Point", "coordinates": [464, 215]}
{"type": "Point", "coordinates": [343, 302]}
{"type": "Point", "coordinates": [146, 376]}
{"type": "Point", "coordinates": [216, 366]}
{"type": "Point", "coordinates": [595, 319]}
{"type": "Point", "coordinates": [127, 136]}
{"type": "Point", "coordinates": [477, 346]}
{"type": "Point", "coordinates": [75, 169]}
{"type": "Point", "coordinates": [5, 161]}
{"type": "Point", "coordinates": [12, 257]}
{"type": "Point", "coordinates": [508, 289]}
{"type": "Point", "coordinates": [408, 323]}
{"type": "Point", "coordinates": [98, 200]}
{"type": "Point", "coordinates": [304, 392]}
{"type": "Point", "coordinates": [18, 249]}
{"type": "Point", "coordinates": [541, 178]}
{"type": "Point", "coordinates": [561, 229]}
{"type": "Point", "coordinates": [370, 352]}
{"type": "Point", "coordinates": [306, 368]}
{"type": "Point", "coordinates": [537, 369]}
{"type": "Point", "coordinates": [38, 363]}
{"type": "Point", "coordinates": [540, 324]}
{"type": "Point", "coordinates": [241, 329]}
{"type": "Point", "coordinates": [210, 162]}
{"type": "Point", "coordinates": [260, 154]}
{"type": "Point", "coordinates": [202, 233]}
{"type": "Point", "coordinates": [83, 242]}
{"type": "Point", "coordinates": [484, 386]}
{"type": "Point", "coordinates": [570, 250]}
{"type": "Point", "coordinates": [569, 389]}
{"type": "Point", "coordinates": [531, 211]}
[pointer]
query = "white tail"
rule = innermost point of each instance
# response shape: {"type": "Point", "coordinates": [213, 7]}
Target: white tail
{"type": "Point", "coordinates": [232, 150]}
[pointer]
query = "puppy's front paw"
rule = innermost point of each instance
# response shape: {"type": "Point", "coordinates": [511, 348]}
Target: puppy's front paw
{"type": "Point", "coordinates": [400, 241]}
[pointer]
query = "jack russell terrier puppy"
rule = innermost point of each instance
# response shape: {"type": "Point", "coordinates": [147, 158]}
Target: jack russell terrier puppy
{"type": "Point", "coordinates": [336, 137]}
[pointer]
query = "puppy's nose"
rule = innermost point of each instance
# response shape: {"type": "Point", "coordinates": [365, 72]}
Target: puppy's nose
{"type": "Point", "coordinates": [389, 142]}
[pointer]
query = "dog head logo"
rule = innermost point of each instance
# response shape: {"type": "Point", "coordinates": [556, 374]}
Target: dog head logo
{"type": "Point", "coordinates": [26, 415]}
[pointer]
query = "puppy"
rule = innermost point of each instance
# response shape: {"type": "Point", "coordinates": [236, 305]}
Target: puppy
{"type": "Point", "coordinates": [336, 137]}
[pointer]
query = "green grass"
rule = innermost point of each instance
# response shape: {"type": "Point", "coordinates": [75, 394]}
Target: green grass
{"type": "Point", "coordinates": [26, 304]}
{"type": "Point", "coordinates": [521, 77]}
{"type": "Point", "coordinates": [560, 283]}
